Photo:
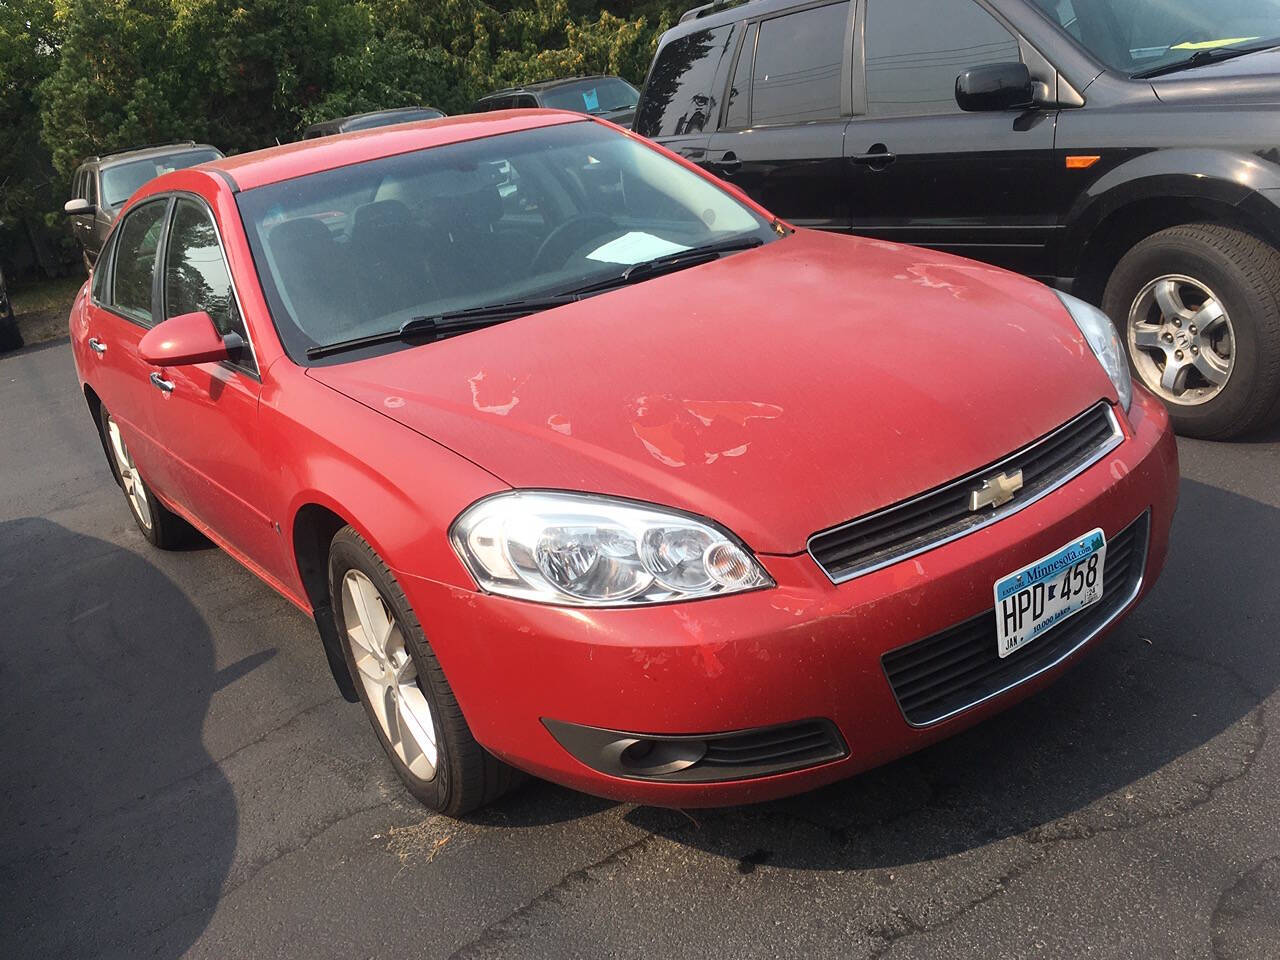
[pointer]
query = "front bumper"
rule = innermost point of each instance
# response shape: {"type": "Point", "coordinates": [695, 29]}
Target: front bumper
{"type": "Point", "coordinates": [805, 650]}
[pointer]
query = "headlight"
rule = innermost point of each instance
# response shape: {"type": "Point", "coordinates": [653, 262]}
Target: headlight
{"type": "Point", "coordinates": [1101, 334]}
{"type": "Point", "coordinates": [586, 550]}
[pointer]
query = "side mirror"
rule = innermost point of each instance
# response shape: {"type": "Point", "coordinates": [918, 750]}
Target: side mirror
{"type": "Point", "coordinates": [76, 206]}
{"type": "Point", "coordinates": [185, 339]}
{"type": "Point", "coordinates": [995, 86]}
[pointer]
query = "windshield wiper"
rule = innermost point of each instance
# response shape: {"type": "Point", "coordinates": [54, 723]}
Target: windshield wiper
{"type": "Point", "coordinates": [1202, 57]}
{"type": "Point", "coordinates": [448, 324]}
{"type": "Point", "coordinates": [671, 263]}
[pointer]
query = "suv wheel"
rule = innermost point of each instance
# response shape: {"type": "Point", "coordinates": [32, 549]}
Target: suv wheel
{"type": "Point", "coordinates": [1197, 309]}
{"type": "Point", "coordinates": [405, 694]}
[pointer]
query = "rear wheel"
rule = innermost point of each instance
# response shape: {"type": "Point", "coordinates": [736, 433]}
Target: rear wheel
{"type": "Point", "coordinates": [161, 527]}
{"type": "Point", "coordinates": [404, 692]}
{"type": "Point", "coordinates": [1198, 309]}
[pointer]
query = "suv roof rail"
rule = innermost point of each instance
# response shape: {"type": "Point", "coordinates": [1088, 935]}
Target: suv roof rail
{"type": "Point", "coordinates": [707, 9]}
{"type": "Point", "coordinates": [152, 146]}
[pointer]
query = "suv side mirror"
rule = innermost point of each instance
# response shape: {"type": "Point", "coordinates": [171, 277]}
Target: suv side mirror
{"type": "Point", "coordinates": [995, 86]}
{"type": "Point", "coordinates": [185, 339]}
{"type": "Point", "coordinates": [76, 206]}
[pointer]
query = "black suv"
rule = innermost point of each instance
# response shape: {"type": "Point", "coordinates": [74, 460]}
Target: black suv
{"type": "Point", "coordinates": [609, 97]}
{"type": "Point", "coordinates": [1124, 150]}
{"type": "Point", "coordinates": [102, 185]}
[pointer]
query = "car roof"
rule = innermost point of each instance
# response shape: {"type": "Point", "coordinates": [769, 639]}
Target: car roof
{"type": "Point", "coordinates": [337, 122]}
{"type": "Point", "coordinates": [547, 85]}
{"type": "Point", "coordinates": [152, 150]}
{"type": "Point", "coordinates": [274, 164]}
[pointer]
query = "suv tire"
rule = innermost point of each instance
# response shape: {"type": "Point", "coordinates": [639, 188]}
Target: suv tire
{"type": "Point", "coordinates": [1243, 273]}
{"type": "Point", "coordinates": [404, 690]}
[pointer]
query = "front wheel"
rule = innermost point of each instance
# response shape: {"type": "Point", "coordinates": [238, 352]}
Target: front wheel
{"type": "Point", "coordinates": [1198, 310]}
{"type": "Point", "coordinates": [404, 692]}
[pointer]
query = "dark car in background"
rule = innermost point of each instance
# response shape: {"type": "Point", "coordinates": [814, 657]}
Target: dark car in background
{"type": "Point", "coordinates": [1127, 151]}
{"type": "Point", "coordinates": [610, 98]}
{"type": "Point", "coordinates": [367, 121]}
{"type": "Point", "coordinates": [102, 184]}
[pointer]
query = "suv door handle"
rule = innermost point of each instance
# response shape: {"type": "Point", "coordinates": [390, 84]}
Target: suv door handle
{"type": "Point", "coordinates": [97, 346]}
{"type": "Point", "coordinates": [727, 165]}
{"type": "Point", "coordinates": [161, 384]}
{"type": "Point", "coordinates": [877, 158]}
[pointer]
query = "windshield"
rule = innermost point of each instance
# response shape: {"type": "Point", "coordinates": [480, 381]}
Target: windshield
{"type": "Point", "coordinates": [602, 95]}
{"type": "Point", "coordinates": [120, 181]}
{"type": "Point", "coordinates": [362, 249]}
{"type": "Point", "coordinates": [1137, 36]}
{"type": "Point", "coordinates": [390, 119]}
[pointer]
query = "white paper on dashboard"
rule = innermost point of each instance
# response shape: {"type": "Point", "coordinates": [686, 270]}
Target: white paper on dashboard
{"type": "Point", "coordinates": [634, 247]}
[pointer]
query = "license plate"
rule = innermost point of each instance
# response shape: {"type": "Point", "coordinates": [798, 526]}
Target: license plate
{"type": "Point", "coordinates": [1042, 594]}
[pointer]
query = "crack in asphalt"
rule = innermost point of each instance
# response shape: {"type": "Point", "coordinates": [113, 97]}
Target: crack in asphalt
{"type": "Point", "coordinates": [510, 926]}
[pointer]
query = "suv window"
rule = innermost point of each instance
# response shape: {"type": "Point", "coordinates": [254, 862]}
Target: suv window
{"type": "Point", "coordinates": [798, 65]}
{"type": "Point", "coordinates": [196, 275]}
{"type": "Point", "coordinates": [914, 54]}
{"type": "Point", "coordinates": [677, 97]}
{"type": "Point", "coordinates": [91, 188]}
{"type": "Point", "coordinates": [738, 106]}
{"type": "Point", "coordinates": [135, 260]}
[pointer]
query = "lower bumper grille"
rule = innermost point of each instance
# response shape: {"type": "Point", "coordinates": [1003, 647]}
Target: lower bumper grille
{"type": "Point", "coordinates": [701, 758]}
{"type": "Point", "coordinates": [958, 668]}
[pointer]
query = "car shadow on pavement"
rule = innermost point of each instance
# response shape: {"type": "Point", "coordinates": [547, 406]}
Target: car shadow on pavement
{"type": "Point", "coordinates": [1145, 727]}
{"type": "Point", "coordinates": [118, 827]}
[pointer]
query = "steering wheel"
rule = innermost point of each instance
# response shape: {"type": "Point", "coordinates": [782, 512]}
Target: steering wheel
{"type": "Point", "coordinates": [568, 237]}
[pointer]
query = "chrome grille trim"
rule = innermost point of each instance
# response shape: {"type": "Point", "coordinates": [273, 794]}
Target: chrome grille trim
{"type": "Point", "coordinates": [965, 525]}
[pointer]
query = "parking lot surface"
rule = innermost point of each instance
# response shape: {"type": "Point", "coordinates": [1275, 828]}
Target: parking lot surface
{"type": "Point", "coordinates": [182, 779]}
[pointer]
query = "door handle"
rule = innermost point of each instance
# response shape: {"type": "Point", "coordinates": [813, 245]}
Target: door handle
{"type": "Point", "coordinates": [97, 346]}
{"type": "Point", "coordinates": [161, 384]}
{"type": "Point", "coordinates": [877, 158]}
{"type": "Point", "coordinates": [727, 165]}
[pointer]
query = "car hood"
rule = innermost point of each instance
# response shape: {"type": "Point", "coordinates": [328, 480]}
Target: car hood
{"type": "Point", "coordinates": [1252, 78]}
{"type": "Point", "coordinates": [779, 391]}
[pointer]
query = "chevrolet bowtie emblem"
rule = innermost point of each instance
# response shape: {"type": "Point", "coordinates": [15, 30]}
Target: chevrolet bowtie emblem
{"type": "Point", "coordinates": [996, 491]}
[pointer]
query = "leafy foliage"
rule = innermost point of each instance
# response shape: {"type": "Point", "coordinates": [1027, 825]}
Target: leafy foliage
{"type": "Point", "coordinates": [79, 77]}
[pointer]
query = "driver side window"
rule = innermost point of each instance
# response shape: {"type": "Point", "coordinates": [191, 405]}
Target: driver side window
{"type": "Point", "coordinates": [134, 264]}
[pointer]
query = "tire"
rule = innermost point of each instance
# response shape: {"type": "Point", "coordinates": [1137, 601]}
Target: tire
{"type": "Point", "coordinates": [161, 527]}
{"type": "Point", "coordinates": [1191, 264]}
{"type": "Point", "coordinates": [461, 775]}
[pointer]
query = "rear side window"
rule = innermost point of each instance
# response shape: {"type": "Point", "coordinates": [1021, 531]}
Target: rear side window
{"type": "Point", "coordinates": [798, 65]}
{"type": "Point", "coordinates": [914, 53]}
{"type": "Point", "coordinates": [677, 98]}
{"type": "Point", "coordinates": [135, 260]}
{"type": "Point", "coordinates": [196, 275]}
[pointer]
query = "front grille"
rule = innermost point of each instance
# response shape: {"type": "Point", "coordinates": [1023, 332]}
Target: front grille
{"type": "Point", "coordinates": [959, 667]}
{"type": "Point", "coordinates": [943, 514]}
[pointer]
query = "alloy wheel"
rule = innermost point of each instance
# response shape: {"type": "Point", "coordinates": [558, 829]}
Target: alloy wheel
{"type": "Point", "coordinates": [134, 490]}
{"type": "Point", "coordinates": [1181, 340]}
{"type": "Point", "coordinates": [389, 675]}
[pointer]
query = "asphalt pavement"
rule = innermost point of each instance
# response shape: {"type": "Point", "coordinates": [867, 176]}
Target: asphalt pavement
{"type": "Point", "coordinates": [180, 777]}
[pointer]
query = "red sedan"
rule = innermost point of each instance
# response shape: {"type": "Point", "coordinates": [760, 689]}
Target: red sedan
{"type": "Point", "coordinates": [587, 466]}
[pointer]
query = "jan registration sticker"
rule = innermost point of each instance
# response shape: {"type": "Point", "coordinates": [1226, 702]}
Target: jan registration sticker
{"type": "Point", "coordinates": [1031, 601]}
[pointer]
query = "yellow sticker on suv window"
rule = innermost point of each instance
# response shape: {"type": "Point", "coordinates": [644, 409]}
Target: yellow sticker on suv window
{"type": "Point", "coordinates": [1211, 44]}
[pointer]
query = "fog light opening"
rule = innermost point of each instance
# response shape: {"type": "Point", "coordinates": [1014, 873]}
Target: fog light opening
{"type": "Point", "coordinates": [648, 757]}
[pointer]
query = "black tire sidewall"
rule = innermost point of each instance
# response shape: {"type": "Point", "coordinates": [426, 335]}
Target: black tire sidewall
{"type": "Point", "coordinates": [349, 552]}
{"type": "Point", "coordinates": [1160, 255]}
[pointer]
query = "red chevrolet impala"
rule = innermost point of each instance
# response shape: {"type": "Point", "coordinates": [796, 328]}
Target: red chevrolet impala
{"type": "Point", "coordinates": [587, 466]}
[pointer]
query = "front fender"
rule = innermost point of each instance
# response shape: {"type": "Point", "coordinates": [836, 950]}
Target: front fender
{"type": "Point", "coordinates": [1210, 176]}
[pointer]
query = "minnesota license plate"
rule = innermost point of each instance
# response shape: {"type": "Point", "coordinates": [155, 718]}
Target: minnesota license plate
{"type": "Point", "coordinates": [1041, 595]}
